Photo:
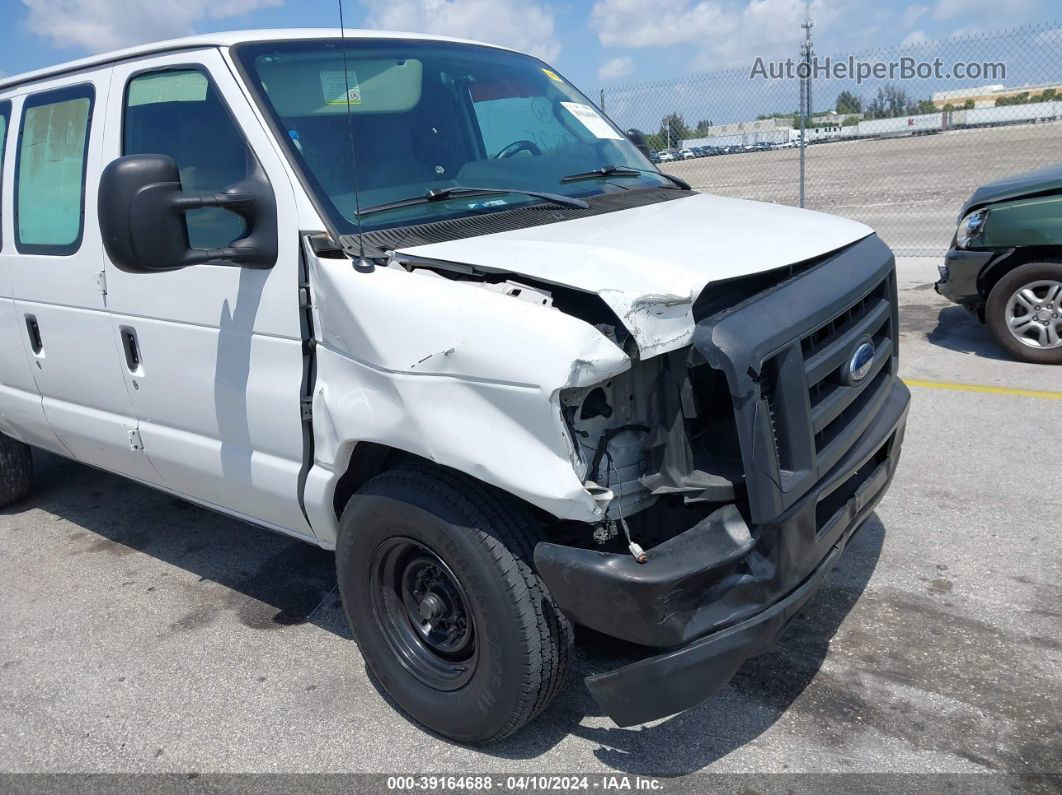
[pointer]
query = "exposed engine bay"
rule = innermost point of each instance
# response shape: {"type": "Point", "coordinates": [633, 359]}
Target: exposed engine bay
{"type": "Point", "coordinates": [661, 434]}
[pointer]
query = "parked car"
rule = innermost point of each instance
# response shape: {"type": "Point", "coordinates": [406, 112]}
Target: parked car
{"type": "Point", "coordinates": [1005, 263]}
{"type": "Point", "coordinates": [666, 157]}
{"type": "Point", "coordinates": [686, 154]}
{"type": "Point", "coordinates": [655, 413]}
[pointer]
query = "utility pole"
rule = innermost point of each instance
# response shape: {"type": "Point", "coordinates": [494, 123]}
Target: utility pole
{"type": "Point", "coordinates": [806, 52]}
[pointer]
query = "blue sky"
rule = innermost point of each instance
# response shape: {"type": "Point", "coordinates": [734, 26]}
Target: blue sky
{"type": "Point", "coordinates": [593, 42]}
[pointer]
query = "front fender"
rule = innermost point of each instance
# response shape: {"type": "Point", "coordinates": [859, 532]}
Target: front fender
{"type": "Point", "coordinates": [463, 376]}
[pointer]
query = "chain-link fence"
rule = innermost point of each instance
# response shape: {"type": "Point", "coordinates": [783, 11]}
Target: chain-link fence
{"type": "Point", "coordinates": [895, 138]}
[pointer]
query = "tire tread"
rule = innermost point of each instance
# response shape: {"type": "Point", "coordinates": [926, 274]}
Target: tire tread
{"type": "Point", "coordinates": [509, 533]}
{"type": "Point", "coordinates": [16, 470]}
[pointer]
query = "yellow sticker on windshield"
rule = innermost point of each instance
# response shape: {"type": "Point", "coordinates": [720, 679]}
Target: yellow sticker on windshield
{"type": "Point", "coordinates": [340, 88]}
{"type": "Point", "coordinates": [552, 75]}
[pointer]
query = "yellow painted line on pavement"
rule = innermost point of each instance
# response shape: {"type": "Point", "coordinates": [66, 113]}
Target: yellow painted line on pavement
{"type": "Point", "coordinates": [988, 390]}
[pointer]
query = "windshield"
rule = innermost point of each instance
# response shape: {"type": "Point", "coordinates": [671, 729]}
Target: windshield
{"type": "Point", "coordinates": [425, 116]}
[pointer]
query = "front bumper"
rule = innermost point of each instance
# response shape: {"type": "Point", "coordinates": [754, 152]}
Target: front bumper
{"type": "Point", "coordinates": [960, 275]}
{"type": "Point", "coordinates": [716, 603]}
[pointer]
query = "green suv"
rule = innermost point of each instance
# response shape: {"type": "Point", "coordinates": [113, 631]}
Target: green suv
{"type": "Point", "coordinates": [1005, 263]}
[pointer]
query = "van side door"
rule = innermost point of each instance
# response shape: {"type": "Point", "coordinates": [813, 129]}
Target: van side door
{"type": "Point", "coordinates": [55, 264]}
{"type": "Point", "coordinates": [212, 354]}
{"type": "Point", "coordinates": [21, 412]}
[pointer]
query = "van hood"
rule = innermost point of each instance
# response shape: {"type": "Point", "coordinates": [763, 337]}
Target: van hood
{"type": "Point", "coordinates": [649, 264]}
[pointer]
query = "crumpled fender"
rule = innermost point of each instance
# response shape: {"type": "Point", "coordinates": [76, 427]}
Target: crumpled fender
{"type": "Point", "coordinates": [454, 373]}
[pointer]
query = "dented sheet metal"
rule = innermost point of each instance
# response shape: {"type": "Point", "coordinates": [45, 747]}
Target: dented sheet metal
{"type": "Point", "coordinates": [651, 280]}
{"type": "Point", "coordinates": [451, 372]}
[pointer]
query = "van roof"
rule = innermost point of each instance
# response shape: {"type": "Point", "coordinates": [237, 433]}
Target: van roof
{"type": "Point", "coordinates": [223, 39]}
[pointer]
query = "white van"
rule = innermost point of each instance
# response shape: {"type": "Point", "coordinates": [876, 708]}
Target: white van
{"type": "Point", "coordinates": [417, 300]}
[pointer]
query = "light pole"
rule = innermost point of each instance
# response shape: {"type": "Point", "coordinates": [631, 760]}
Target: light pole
{"type": "Point", "coordinates": [805, 90]}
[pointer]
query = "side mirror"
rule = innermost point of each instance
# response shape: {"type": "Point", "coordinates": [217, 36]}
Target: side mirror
{"type": "Point", "coordinates": [142, 207]}
{"type": "Point", "coordinates": [637, 137]}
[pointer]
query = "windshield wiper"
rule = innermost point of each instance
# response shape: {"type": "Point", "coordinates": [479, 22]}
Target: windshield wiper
{"type": "Point", "coordinates": [460, 190]}
{"type": "Point", "coordinates": [624, 171]}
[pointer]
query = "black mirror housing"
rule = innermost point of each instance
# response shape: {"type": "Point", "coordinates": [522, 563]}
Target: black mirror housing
{"type": "Point", "coordinates": [637, 137]}
{"type": "Point", "coordinates": [141, 214]}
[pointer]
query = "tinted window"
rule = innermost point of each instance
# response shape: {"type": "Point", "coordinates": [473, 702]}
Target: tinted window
{"type": "Point", "coordinates": [5, 117]}
{"type": "Point", "coordinates": [50, 175]}
{"type": "Point", "coordinates": [179, 113]}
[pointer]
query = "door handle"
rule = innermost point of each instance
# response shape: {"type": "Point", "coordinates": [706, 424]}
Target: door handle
{"type": "Point", "coordinates": [132, 349]}
{"type": "Point", "coordinates": [34, 331]}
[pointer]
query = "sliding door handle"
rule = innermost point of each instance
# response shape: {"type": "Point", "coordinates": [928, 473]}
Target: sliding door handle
{"type": "Point", "coordinates": [34, 331]}
{"type": "Point", "coordinates": [132, 348]}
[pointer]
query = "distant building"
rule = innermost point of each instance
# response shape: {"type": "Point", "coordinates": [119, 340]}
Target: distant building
{"type": "Point", "coordinates": [744, 133]}
{"type": "Point", "coordinates": [833, 118]}
{"type": "Point", "coordinates": [986, 96]}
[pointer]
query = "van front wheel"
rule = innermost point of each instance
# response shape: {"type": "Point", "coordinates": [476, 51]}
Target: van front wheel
{"type": "Point", "coordinates": [16, 470]}
{"type": "Point", "coordinates": [435, 575]}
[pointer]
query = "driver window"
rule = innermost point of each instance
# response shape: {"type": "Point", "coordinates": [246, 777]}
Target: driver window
{"type": "Point", "coordinates": [506, 120]}
{"type": "Point", "coordinates": [178, 112]}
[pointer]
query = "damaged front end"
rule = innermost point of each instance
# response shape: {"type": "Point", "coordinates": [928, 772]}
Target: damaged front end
{"type": "Point", "coordinates": [732, 473]}
{"type": "Point", "coordinates": [664, 428]}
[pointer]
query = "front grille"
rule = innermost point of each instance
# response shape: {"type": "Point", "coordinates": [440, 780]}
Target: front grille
{"type": "Point", "coordinates": [835, 405]}
{"type": "Point", "coordinates": [836, 410]}
{"type": "Point", "coordinates": [786, 353]}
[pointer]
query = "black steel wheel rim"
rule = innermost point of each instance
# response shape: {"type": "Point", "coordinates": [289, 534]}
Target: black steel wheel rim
{"type": "Point", "coordinates": [424, 613]}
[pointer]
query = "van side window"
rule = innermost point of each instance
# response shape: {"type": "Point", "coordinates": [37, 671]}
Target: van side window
{"type": "Point", "coordinates": [5, 118]}
{"type": "Point", "coordinates": [50, 170]}
{"type": "Point", "coordinates": [178, 112]}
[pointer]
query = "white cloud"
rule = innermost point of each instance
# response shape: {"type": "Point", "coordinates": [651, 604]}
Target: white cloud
{"type": "Point", "coordinates": [912, 14]}
{"type": "Point", "coordinates": [521, 24]}
{"type": "Point", "coordinates": [648, 23]}
{"type": "Point", "coordinates": [913, 38]}
{"type": "Point", "coordinates": [101, 25]}
{"type": "Point", "coordinates": [726, 35]}
{"type": "Point", "coordinates": [615, 68]}
{"type": "Point", "coordinates": [770, 29]}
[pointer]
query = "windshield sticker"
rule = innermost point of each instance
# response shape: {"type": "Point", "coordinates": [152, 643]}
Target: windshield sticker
{"type": "Point", "coordinates": [552, 75]}
{"type": "Point", "coordinates": [592, 120]}
{"type": "Point", "coordinates": [338, 90]}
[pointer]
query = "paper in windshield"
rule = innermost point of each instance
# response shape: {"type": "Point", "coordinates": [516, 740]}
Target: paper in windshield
{"type": "Point", "coordinates": [592, 120]}
{"type": "Point", "coordinates": [339, 89]}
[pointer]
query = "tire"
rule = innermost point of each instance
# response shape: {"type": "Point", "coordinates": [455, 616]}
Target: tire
{"type": "Point", "coordinates": [1041, 282]}
{"type": "Point", "coordinates": [16, 470]}
{"type": "Point", "coordinates": [423, 547]}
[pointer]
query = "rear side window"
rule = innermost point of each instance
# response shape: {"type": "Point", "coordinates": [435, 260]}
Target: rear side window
{"type": "Point", "coordinates": [5, 119]}
{"type": "Point", "coordinates": [178, 112]}
{"type": "Point", "coordinates": [50, 172]}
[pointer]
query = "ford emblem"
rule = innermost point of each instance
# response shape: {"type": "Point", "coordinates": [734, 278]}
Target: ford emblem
{"type": "Point", "coordinates": [860, 362]}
